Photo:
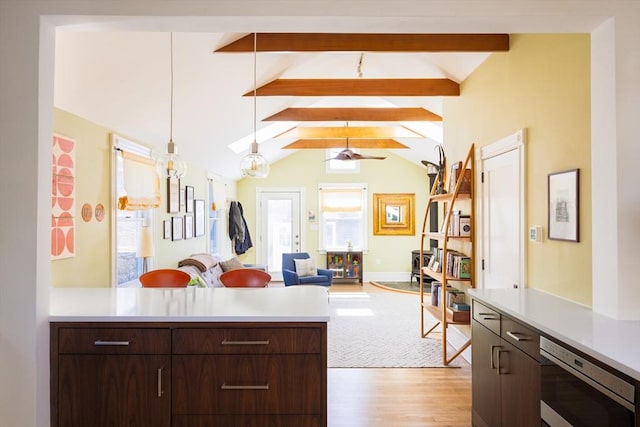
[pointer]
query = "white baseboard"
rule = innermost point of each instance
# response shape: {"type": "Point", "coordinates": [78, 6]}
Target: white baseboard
{"type": "Point", "coordinates": [393, 276]}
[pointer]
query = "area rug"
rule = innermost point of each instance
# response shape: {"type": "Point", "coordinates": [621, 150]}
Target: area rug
{"type": "Point", "coordinates": [410, 287]}
{"type": "Point", "coordinates": [379, 330]}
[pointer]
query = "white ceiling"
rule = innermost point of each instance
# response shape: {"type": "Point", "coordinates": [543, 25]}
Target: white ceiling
{"type": "Point", "coordinates": [121, 80]}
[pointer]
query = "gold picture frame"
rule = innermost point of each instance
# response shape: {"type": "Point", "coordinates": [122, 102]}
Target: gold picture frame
{"type": "Point", "coordinates": [394, 214]}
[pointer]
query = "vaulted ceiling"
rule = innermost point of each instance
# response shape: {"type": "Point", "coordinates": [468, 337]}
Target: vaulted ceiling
{"type": "Point", "coordinates": [382, 91]}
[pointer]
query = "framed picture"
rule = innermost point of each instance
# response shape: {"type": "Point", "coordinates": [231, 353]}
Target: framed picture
{"type": "Point", "coordinates": [176, 228]}
{"type": "Point", "coordinates": [199, 217]}
{"type": "Point", "coordinates": [563, 205]}
{"type": "Point", "coordinates": [188, 226]}
{"type": "Point", "coordinates": [166, 229]}
{"type": "Point", "coordinates": [173, 195]}
{"type": "Point", "coordinates": [394, 214]}
{"type": "Point", "coordinates": [188, 195]}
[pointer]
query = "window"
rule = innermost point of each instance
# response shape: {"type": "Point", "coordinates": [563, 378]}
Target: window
{"type": "Point", "coordinates": [137, 210]}
{"type": "Point", "coordinates": [340, 166]}
{"type": "Point", "coordinates": [216, 212]}
{"type": "Point", "coordinates": [343, 216]}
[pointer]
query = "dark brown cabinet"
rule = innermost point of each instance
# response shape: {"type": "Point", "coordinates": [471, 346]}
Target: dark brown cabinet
{"type": "Point", "coordinates": [111, 377]}
{"type": "Point", "coordinates": [505, 371]}
{"type": "Point", "coordinates": [249, 376]}
{"type": "Point", "coordinates": [189, 374]}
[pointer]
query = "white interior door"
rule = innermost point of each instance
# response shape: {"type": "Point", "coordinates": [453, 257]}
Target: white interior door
{"type": "Point", "coordinates": [279, 227]}
{"type": "Point", "coordinates": [502, 241]}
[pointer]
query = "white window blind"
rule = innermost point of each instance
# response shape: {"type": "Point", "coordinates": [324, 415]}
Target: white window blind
{"type": "Point", "coordinates": [343, 216]}
{"type": "Point", "coordinates": [141, 184]}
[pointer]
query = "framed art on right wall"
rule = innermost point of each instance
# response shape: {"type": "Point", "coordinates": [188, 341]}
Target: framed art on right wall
{"type": "Point", "coordinates": [563, 205]}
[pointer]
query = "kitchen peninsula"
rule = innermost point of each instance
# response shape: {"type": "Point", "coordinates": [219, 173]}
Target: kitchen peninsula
{"type": "Point", "coordinates": [544, 358]}
{"type": "Point", "coordinates": [189, 357]}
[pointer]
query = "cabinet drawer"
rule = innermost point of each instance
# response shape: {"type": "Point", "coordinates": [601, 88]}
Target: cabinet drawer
{"type": "Point", "coordinates": [246, 340]}
{"type": "Point", "coordinates": [245, 384]}
{"type": "Point", "coordinates": [114, 341]}
{"type": "Point", "coordinates": [246, 421]}
{"type": "Point", "coordinates": [487, 317]}
{"type": "Point", "coordinates": [523, 337]}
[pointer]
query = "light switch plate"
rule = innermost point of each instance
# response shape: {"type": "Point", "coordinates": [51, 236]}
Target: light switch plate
{"type": "Point", "coordinates": [535, 233]}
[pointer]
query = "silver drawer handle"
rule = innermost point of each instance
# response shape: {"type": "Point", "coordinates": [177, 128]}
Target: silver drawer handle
{"type": "Point", "coordinates": [225, 342]}
{"type": "Point", "coordinates": [116, 343]}
{"type": "Point", "coordinates": [160, 382]}
{"type": "Point", "coordinates": [487, 316]}
{"type": "Point", "coordinates": [244, 387]}
{"type": "Point", "coordinates": [516, 337]}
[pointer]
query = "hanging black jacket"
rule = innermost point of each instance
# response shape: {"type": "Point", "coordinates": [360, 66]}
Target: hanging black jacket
{"type": "Point", "coordinates": [244, 244]}
{"type": "Point", "coordinates": [236, 223]}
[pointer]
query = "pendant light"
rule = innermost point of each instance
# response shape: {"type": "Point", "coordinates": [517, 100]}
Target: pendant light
{"type": "Point", "coordinates": [254, 165]}
{"type": "Point", "coordinates": [171, 164]}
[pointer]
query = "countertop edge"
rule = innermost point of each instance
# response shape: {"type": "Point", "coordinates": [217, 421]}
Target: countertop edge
{"type": "Point", "coordinates": [185, 319]}
{"type": "Point", "coordinates": [555, 333]}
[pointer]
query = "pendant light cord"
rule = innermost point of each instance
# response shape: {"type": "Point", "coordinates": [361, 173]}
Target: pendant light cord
{"type": "Point", "coordinates": [171, 98]}
{"type": "Point", "coordinates": [255, 90]}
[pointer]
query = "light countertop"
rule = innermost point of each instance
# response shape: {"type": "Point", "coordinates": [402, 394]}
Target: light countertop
{"type": "Point", "coordinates": [291, 304]}
{"type": "Point", "coordinates": [614, 342]}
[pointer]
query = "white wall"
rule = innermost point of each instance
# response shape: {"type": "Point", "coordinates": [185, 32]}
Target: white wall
{"type": "Point", "coordinates": [26, 64]}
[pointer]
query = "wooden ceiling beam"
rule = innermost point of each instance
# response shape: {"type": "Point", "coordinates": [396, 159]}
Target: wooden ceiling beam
{"type": "Point", "coordinates": [372, 132]}
{"type": "Point", "coordinates": [358, 87]}
{"type": "Point", "coordinates": [341, 143]}
{"type": "Point", "coordinates": [354, 115]}
{"type": "Point", "coordinates": [340, 42]}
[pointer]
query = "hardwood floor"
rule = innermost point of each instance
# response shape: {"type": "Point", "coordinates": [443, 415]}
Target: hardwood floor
{"type": "Point", "coordinates": [390, 397]}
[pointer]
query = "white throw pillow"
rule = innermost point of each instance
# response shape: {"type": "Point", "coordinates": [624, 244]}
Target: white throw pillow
{"type": "Point", "coordinates": [305, 267]}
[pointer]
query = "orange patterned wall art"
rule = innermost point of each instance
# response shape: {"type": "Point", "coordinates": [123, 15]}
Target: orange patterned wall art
{"type": "Point", "coordinates": [63, 198]}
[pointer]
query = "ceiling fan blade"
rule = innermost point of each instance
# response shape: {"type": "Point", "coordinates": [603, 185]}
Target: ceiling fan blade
{"type": "Point", "coordinates": [365, 157]}
{"type": "Point", "coordinates": [348, 154]}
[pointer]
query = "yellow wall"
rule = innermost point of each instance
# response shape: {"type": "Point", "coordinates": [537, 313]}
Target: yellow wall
{"type": "Point", "coordinates": [169, 252]}
{"type": "Point", "coordinates": [306, 168]}
{"type": "Point", "coordinates": [542, 84]}
{"type": "Point", "coordinates": [91, 265]}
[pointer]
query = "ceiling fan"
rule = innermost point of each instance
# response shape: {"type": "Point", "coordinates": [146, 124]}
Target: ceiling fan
{"type": "Point", "coordinates": [349, 154]}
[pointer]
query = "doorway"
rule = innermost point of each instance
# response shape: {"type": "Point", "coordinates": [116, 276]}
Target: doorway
{"type": "Point", "coordinates": [278, 227]}
{"type": "Point", "coordinates": [501, 221]}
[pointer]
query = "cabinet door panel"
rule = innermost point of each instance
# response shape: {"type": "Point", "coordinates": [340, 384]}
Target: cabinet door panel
{"type": "Point", "coordinates": [484, 377]}
{"type": "Point", "coordinates": [114, 391]}
{"type": "Point", "coordinates": [244, 384]}
{"type": "Point", "coordinates": [520, 379]}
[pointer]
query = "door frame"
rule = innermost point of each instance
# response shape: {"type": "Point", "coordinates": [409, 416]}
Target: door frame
{"type": "Point", "coordinates": [259, 234]}
{"type": "Point", "coordinates": [515, 141]}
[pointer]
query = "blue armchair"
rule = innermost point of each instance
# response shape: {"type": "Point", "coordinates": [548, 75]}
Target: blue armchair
{"type": "Point", "coordinates": [290, 277]}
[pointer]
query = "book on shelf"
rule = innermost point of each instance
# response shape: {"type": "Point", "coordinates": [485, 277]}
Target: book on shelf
{"type": "Point", "coordinates": [454, 228]}
{"type": "Point", "coordinates": [458, 265]}
{"type": "Point", "coordinates": [453, 176]}
{"type": "Point", "coordinates": [465, 225]}
{"type": "Point", "coordinates": [465, 185]}
{"type": "Point", "coordinates": [454, 296]}
{"type": "Point", "coordinates": [461, 306]}
{"type": "Point", "coordinates": [464, 268]}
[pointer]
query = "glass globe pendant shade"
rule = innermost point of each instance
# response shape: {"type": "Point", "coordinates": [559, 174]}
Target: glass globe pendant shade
{"type": "Point", "coordinates": [170, 164]}
{"type": "Point", "coordinates": [253, 165]}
